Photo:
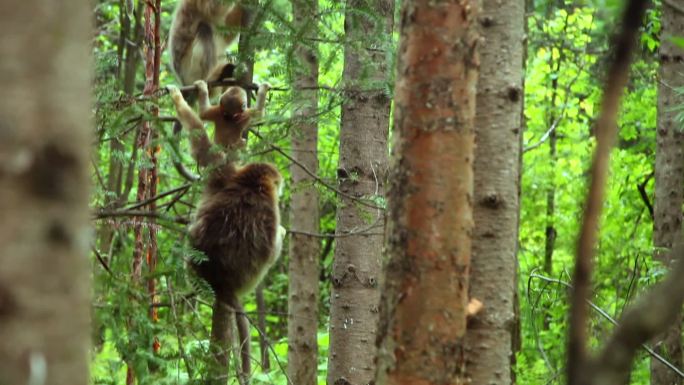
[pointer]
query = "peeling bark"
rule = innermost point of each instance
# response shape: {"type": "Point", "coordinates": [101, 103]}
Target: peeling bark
{"type": "Point", "coordinates": [430, 224]}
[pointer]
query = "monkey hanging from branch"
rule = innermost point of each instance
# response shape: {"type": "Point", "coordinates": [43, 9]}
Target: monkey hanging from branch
{"type": "Point", "coordinates": [237, 223]}
{"type": "Point", "coordinates": [201, 31]}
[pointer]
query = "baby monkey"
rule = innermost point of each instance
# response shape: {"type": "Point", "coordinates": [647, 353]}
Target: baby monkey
{"type": "Point", "coordinates": [230, 116]}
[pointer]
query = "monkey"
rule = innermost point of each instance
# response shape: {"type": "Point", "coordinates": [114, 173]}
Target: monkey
{"type": "Point", "coordinates": [237, 223]}
{"type": "Point", "coordinates": [201, 30]}
{"type": "Point", "coordinates": [230, 117]}
{"type": "Point", "coordinates": [237, 227]}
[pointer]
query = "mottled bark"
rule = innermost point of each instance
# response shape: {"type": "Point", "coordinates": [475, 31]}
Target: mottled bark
{"type": "Point", "coordinates": [45, 125]}
{"type": "Point", "coordinates": [669, 179]}
{"type": "Point", "coordinates": [423, 310]}
{"type": "Point", "coordinates": [357, 265]}
{"type": "Point", "coordinates": [498, 131]}
{"type": "Point", "coordinates": [302, 322]}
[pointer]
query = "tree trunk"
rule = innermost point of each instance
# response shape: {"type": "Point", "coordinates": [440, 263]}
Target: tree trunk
{"type": "Point", "coordinates": [497, 177]}
{"type": "Point", "coordinates": [423, 311]}
{"type": "Point", "coordinates": [669, 178]}
{"type": "Point", "coordinates": [302, 321]}
{"type": "Point", "coordinates": [357, 265]}
{"type": "Point", "coordinates": [45, 121]}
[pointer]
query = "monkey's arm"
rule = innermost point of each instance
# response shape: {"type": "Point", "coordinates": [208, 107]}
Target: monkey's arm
{"type": "Point", "coordinates": [258, 111]}
{"type": "Point", "coordinates": [278, 246]}
{"type": "Point", "coordinates": [203, 97]}
{"type": "Point", "coordinates": [201, 145]}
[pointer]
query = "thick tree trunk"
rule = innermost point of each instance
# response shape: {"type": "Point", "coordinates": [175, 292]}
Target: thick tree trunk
{"type": "Point", "coordinates": [669, 178]}
{"type": "Point", "coordinates": [45, 230]}
{"type": "Point", "coordinates": [304, 270]}
{"type": "Point", "coordinates": [498, 129]}
{"type": "Point", "coordinates": [423, 311]}
{"type": "Point", "coordinates": [357, 265]}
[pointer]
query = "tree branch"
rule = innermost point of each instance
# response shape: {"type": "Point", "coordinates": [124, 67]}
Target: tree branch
{"type": "Point", "coordinates": [610, 319]}
{"type": "Point", "coordinates": [606, 130]}
{"type": "Point", "coordinates": [651, 315]}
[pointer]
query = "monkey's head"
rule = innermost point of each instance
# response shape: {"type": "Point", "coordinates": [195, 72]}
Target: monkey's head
{"type": "Point", "coordinates": [234, 103]}
{"type": "Point", "coordinates": [262, 177]}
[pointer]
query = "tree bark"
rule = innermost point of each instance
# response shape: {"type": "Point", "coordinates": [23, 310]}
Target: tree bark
{"type": "Point", "coordinates": [498, 131]}
{"type": "Point", "coordinates": [669, 179]}
{"type": "Point", "coordinates": [304, 268]}
{"type": "Point", "coordinates": [423, 310]}
{"type": "Point", "coordinates": [357, 264]}
{"type": "Point", "coordinates": [45, 125]}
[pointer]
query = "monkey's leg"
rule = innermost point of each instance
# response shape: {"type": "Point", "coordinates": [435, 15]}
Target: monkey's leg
{"type": "Point", "coordinates": [220, 342]}
{"type": "Point", "coordinates": [258, 111]}
{"type": "Point", "coordinates": [244, 343]}
{"type": "Point", "coordinates": [233, 22]}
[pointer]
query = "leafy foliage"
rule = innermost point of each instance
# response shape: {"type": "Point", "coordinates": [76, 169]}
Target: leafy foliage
{"type": "Point", "coordinates": [567, 46]}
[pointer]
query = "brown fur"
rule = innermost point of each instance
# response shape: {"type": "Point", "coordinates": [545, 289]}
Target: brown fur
{"type": "Point", "coordinates": [201, 31]}
{"type": "Point", "coordinates": [237, 223]}
{"type": "Point", "coordinates": [230, 116]}
{"type": "Point", "coordinates": [236, 226]}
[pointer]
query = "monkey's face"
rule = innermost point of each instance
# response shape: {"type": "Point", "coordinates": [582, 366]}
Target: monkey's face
{"type": "Point", "coordinates": [233, 104]}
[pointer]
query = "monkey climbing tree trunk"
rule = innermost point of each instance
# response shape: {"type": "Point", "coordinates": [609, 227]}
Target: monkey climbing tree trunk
{"type": "Point", "coordinates": [45, 121]}
{"type": "Point", "coordinates": [304, 270]}
{"type": "Point", "coordinates": [498, 128]}
{"type": "Point", "coordinates": [669, 178]}
{"type": "Point", "coordinates": [423, 309]}
{"type": "Point", "coordinates": [357, 265]}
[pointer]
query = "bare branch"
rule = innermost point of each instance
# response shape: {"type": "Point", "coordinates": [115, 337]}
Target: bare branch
{"type": "Point", "coordinates": [606, 130]}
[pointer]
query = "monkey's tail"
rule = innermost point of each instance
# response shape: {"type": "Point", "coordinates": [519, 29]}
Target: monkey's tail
{"type": "Point", "coordinates": [177, 163]}
{"type": "Point", "coordinates": [205, 36]}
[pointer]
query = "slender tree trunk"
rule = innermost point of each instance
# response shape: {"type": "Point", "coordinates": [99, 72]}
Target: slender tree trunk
{"type": "Point", "coordinates": [669, 178]}
{"type": "Point", "coordinates": [145, 248]}
{"type": "Point", "coordinates": [115, 177]}
{"type": "Point", "coordinates": [423, 311]}
{"type": "Point", "coordinates": [45, 125]}
{"type": "Point", "coordinates": [302, 354]}
{"type": "Point", "coordinates": [498, 123]}
{"type": "Point", "coordinates": [357, 265]}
